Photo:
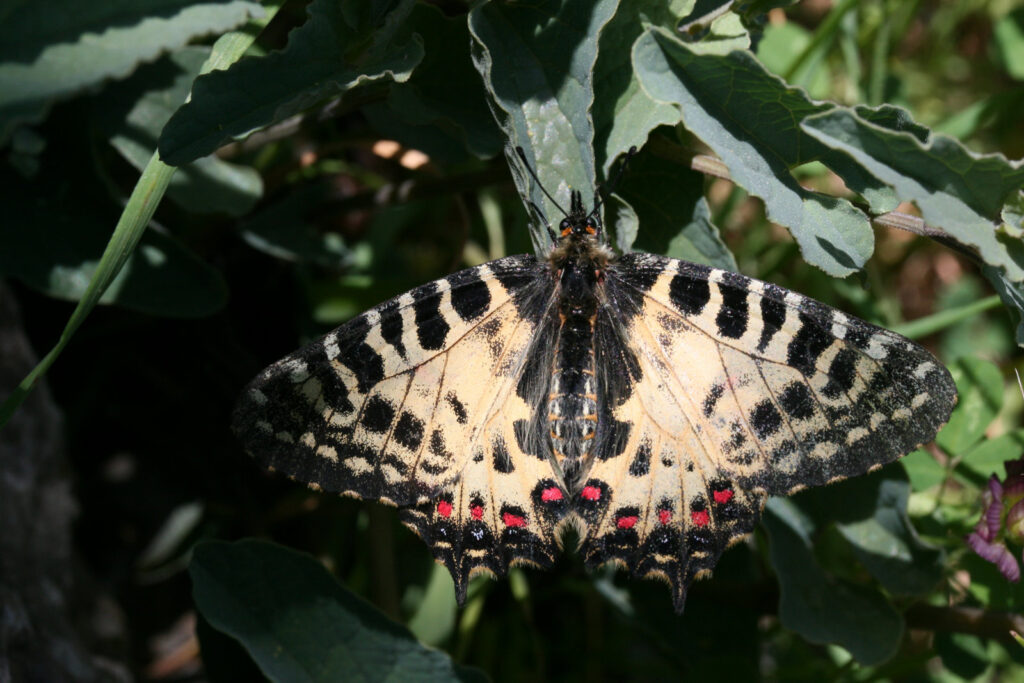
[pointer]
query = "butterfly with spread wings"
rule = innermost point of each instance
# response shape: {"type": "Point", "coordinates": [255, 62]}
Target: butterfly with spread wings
{"type": "Point", "coordinates": [651, 403]}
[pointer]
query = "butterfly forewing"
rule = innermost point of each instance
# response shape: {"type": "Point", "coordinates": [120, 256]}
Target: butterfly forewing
{"type": "Point", "coordinates": [415, 403]}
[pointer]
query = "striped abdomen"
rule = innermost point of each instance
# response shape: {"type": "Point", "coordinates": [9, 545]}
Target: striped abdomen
{"type": "Point", "coordinates": [572, 399]}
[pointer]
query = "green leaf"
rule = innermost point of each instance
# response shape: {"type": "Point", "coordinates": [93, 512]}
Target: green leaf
{"type": "Point", "coordinates": [434, 621]}
{"type": "Point", "coordinates": [442, 108]}
{"type": "Point", "coordinates": [980, 387]}
{"type": "Point", "coordinates": [299, 624]}
{"type": "Point", "coordinates": [956, 190]}
{"type": "Point", "coordinates": [54, 49]}
{"type": "Point", "coordinates": [962, 654]}
{"type": "Point", "coordinates": [624, 115]}
{"type": "Point", "coordinates": [989, 456]}
{"type": "Point", "coordinates": [819, 607]}
{"type": "Point", "coordinates": [537, 60]}
{"type": "Point", "coordinates": [284, 230]}
{"type": "Point", "coordinates": [674, 218]}
{"type": "Point", "coordinates": [923, 470]}
{"type": "Point", "coordinates": [137, 213]}
{"type": "Point", "coordinates": [133, 115]}
{"type": "Point", "coordinates": [871, 513]}
{"type": "Point", "coordinates": [749, 118]}
{"type": "Point", "coordinates": [343, 46]}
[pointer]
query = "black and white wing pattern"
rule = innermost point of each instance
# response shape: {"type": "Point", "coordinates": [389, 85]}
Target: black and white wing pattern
{"type": "Point", "coordinates": [651, 403]}
{"type": "Point", "coordinates": [423, 402]}
{"type": "Point", "coordinates": [738, 390]}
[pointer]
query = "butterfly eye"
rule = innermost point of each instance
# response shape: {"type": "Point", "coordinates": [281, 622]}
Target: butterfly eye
{"type": "Point", "coordinates": [565, 226]}
{"type": "Point", "coordinates": [591, 230]}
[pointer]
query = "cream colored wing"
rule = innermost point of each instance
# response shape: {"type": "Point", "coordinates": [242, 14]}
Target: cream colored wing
{"type": "Point", "coordinates": [736, 390]}
{"type": "Point", "coordinates": [421, 403]}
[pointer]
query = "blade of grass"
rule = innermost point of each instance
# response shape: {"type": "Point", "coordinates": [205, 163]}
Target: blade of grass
{"type": "Point", "coordinates": [142, 203]}
{"type": "Point", "coordinates": [943, 319]}
{"type": "Point", "coordinates": [826, 32]}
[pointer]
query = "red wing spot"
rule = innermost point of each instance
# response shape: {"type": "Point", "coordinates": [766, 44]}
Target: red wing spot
{"type": "Point", "coordinates": [444, 508]}
{"type": "Point", "coordinates": [591, 492]}
{"type": "Point", "coordinates": [550, 494]}
{"type": "Point", "coordinates": [664, 516]}
{"type": "Point", "coordinates": [723, 496]}
{"type": "Point", "coordinates": [700, 517]}
{"type": "Point", "coordinates": [477, 511]}
{"type": "Point", "coordinates": [513, 520]}
{"type": "Point", "coordinates": [627, 522]}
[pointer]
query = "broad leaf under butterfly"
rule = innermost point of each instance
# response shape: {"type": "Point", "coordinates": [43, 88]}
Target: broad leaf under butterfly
{"type": "Point", "coordinates": [652, 404]}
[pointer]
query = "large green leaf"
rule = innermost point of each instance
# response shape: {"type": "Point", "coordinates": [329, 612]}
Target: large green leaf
{"type": "Point", "coordinates": [819, 607]}
{"type": "Point", "coordinates": [624, 114]}
{"type": "Point", "coordinates": [345, 44]}
{"type": "Point", "coordinates": [750, 119]}
{"type": "Point", "coordinates": [871, 514]}
{"type": "Point", "coordinates": [299, 624]}
{"type": "Point", "coordinates": [442, 108]}
{"type": "Point", "coordinates": [53, 49]}
{"type": "Point", "coordinates": [956, 190]}
{"type": "Point", "coordinates": [536, 60]}
{"type": "Point", "coordinates": [134, 113]}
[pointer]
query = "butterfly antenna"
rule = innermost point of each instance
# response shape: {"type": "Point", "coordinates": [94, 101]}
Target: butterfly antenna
{"type": "Point", "coordinates": [522, 155]}
{"type": "Point", "coordinates": [536, 209]}
{"type": "Point", "coordinates": [614, 183]}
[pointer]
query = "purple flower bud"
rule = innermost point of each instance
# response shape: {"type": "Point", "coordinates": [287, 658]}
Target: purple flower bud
{"type": "Point", "coordinates": [996, 553]}
{"type": "Point", "coordinates": [1015, 522]}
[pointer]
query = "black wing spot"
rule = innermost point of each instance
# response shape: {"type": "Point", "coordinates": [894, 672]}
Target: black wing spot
{"type": "Point", "coordinates": [470, 295]}
{"type": "Point", "coordinates": [457, 406]}
{"type": "Point", "coordinates": [358, 356]}
{"type": "Point", "coordinates": [808, 344]}
{"type": "Point", "coordinates": [409, 431]}
{"type": "Point", "coordinates": [773, 317]}
{"type": "Point", "coordinates": [712, 397]}
{"type": "Point", "coordinates": [641, 464]}
{"type": "Point", "coordinates": [691, 291]}
{"type": "Point", "coordinates": [500, 457]}
{"type": "Point", "coordinates": [734, 314]}
{"type": "Point", "coordinates": [797, 401]}
{"type": "Point", "coordinates": [437, 445]}
{"type": "Point", "coordinates": [765, 419]}
{"type": "Point", "coordinates": [841, 374]}
{"type": "Point", "coordinates": [377, 415]}
{"type": "Point", "coordinates": [391, 326]}
{"type": "Point", "coordinates": [431, 327]}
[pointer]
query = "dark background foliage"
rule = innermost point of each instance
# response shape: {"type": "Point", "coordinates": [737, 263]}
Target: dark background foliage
{"type": "Point", "coordinates": [376, 165]}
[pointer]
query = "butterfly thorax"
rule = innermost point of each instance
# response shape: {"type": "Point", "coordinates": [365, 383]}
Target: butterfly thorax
{"type": "Point", "coordinates": [578, 261]}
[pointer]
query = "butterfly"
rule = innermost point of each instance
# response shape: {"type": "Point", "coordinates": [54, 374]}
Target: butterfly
{"type": "Point", "coordinates": [651, 404]}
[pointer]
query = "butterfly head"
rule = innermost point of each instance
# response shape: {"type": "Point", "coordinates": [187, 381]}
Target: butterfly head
{"type": "Point", "coordinates": [580, 239]}
{"type": "Point", "coordinates": [578, 224]}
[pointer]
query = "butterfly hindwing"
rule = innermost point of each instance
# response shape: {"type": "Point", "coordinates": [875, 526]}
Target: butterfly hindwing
{"type": "Point", "coordinates": [415, 403]}
{"type": "Point", "coordinates": [744, 390]}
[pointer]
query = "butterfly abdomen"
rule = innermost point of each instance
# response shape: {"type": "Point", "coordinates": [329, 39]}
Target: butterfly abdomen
{"type": "Point", "coordinates": [572, 399]}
